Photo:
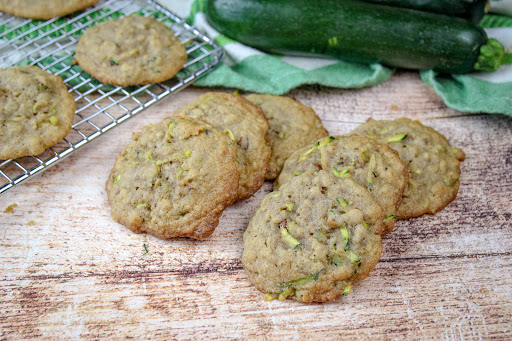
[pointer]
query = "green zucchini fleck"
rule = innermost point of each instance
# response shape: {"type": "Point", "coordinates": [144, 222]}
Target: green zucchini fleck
{"type": "Point", "coordinates": [288, 238]}
{"type": "Point", "coordinates": [284, 294]}
{"type": "Point", "coordinates": [347, 290]}
{"type": "Point", "coordinates": [342, 202]}
{"type": "Point", "coordinates": [114, 62]}
{"type": "Point", "coordinates": [275, 194]}
{"type": "Point", "coordinates": [390, 217]}
{"type": "Point", "coordinates": [145, 250]}
{"type": "Point", "coordinates": [54, 120]}
{"type": "Point", "coordinates": [326, 141]}
{"type": "Point", "coordinates": [230, 134]}
{"type": "Point", "coordinates": [371, 168]}
{"type": "Point", "coordinates": [345, 236]}
{"type": "Point", "coordinates": [320, 233]}
{"type": "Point", "coordinates": [343, 174]}
{"type": "Point", "coordinates": [117, 178]}
{"type": "Point", "coordinates": [353, 257]}
{"type": "Point", "coordinates": [168, 135]}
{"type": "Point", "coordinates": [336, 261]}
{"type": "Point", "coordinates": [283, 135]}
{"type": "Point", "coordinates": [302, 281]}
{"type": "Point", "coordinates": [297, 173]}
{"type": "Point", "coordinates": [396, 138]}
{"type": "Point", "coordinates": [310, 151]}
{"type": "Point", "coordinates": [269, 297]}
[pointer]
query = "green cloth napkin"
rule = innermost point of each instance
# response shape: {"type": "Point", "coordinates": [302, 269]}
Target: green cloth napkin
{"type": "Point", "coordinates": [249, 69]}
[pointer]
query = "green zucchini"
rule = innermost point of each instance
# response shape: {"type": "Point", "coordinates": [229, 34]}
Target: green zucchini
{"type": "Point", "coordinates": [473, 10]}
{"type": "Point", "coordinates": [359, 32]}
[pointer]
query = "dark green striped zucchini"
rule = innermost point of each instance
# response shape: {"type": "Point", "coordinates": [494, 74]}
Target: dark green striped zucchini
{"type": "Point", "coordinates": [357, 31]}
{"type": "Point", "coordinates": [473, 10]}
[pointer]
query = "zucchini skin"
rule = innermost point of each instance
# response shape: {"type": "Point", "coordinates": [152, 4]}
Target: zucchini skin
{"type": "Point", "coordinates": [351, 30]}
{"type": "Point", "coordinates": [473, 10]}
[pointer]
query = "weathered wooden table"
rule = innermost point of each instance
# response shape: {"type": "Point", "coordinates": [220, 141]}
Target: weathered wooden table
{"type": "Point", "coordinates": [69, 272]}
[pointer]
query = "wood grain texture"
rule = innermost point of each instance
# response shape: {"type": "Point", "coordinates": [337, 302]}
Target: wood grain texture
{"type": "Point", "coordinates": [70, 272]}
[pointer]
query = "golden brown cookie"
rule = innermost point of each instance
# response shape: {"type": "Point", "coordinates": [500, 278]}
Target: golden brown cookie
{"type": "Point", "coordinates": [311, 239]}
{"type": "Point", "coordinates": [36, 111]}
{"type": "Point", "coordinates": [174, 180]}
{"type": "Point", "coordinates": [43, 9]}
{"type": "Point", "coordinates": [133, 50]}
{"type": "Point", "coordinates": [433, 165]}
{"type": "Point", "coordinates": [246, 125]}
{"type": "Point", "coordinates": [371, 164]}
{"type": "Point", "coordinates": [292, 126]}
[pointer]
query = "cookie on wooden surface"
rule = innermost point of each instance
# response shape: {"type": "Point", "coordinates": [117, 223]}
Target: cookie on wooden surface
{"type": "Point", "coordinates": [174, 180]}
{"type": "Point", "coordinates": [314, 237]}
{"type": "Point", "coordinates": [292, 126]}
{"type": "Point", "coordinates": [371, 164]}
{"type": "Point", "coordinates": [43, 9]}
{"type": "Point", "coordinates": [133, 50]}
{"type": "Point", "coordinates": [36, 111]}
{"type": "Point", "coordinates": [433, 164]}
{"type": "Point", "coordinates": [246, 125]}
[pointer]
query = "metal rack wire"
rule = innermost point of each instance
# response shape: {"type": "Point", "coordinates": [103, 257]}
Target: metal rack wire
{"type": "Point", "coordinates": [100, 107]}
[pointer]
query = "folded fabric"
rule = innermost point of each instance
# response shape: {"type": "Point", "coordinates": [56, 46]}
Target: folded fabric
{"type": "Point", "coordinates": [249, 69]}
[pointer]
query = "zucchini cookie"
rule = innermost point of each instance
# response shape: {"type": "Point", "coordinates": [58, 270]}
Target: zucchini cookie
{"type": "Point", "coordinates": [43, 9]}
{"type": "Point", "coordinates": [292, 125]}
{"type": "Point", "coordinates": [174, 180]}
{"type": "Point", "coordinates": [246, 125]}
{"type": "Point", "coordinates": [133, 50]}
{"type": "Point", "coordinates": [373, 165]}
{"type": "Point", "coordinates": [36, 111]}
{"type": "Point", "coordinates": [433, 165]}
{"type": "Point", "coordinates": [311, 239]}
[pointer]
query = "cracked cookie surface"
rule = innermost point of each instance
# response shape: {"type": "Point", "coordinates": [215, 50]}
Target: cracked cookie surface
{"type": "Point", "coordinates": [311, 239]}
{"type": "Point", "coordinates": [292, 126]}
{"type": "Point", "coordinates": [43, 9]}
{"type": "Point", "coordinates": [133, 50]}
{"type": "Point", "coordinates": [433, 164]}
{"type": "Point", "coordinates": [174, 180]}
{"type": "Point", "coordinates": [246, 126]}
{"type": "Point", "coordinates": [36, 111]}
{"type": "Point", "coordinates": [373, 165]}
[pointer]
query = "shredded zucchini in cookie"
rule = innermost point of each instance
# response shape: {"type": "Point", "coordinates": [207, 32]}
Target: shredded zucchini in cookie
{"type": "Point", "coordinates": [396, 138]}
{"type": "Point", "coordinates": [288, 238]}
{"type": "Point", "coordinates": [310, 151]}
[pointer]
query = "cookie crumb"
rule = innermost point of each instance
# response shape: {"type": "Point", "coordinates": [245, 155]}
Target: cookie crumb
{"type": "Point", "coordinates": [10, 208]}
{"type": "Point", "coordinates": [394, 107]}
{"type": "Point", "coordinates": [31, 223]}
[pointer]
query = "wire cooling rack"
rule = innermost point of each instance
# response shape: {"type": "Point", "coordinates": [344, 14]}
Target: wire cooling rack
{"type": "Point", "coordinates": [100, 107]}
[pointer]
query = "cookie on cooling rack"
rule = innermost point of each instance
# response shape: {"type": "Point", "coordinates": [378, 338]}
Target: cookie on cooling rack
{"type": "Point", "coordinates": [292, 126]}
{"type": "Point", "coordinates": [371, 164]}
{"type": "Point", "coordinates": [43, 9]}
{"type": "Point", "coordinates": [311, 239]}
{"type": "Point", "coordinates": [246, 125]}
{"type": "Point", "coordinates": [174, 180]}
{"type": "Point", "coordinates": [133, 50]}
{"type": "Point", "coordinates": [36, 111]}
{"type": "Point", "coordinates": [433, 164]}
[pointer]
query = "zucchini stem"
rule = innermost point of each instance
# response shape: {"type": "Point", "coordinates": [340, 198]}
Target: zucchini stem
{"type": "Point", "coordinates": [492, 56]}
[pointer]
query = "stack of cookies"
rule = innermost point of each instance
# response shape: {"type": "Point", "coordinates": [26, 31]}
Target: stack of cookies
{"type": "Point", "coordinates": [320, 229]}
{"type": "Point", "coordinates": [178, 176]}
{"type": "Point", "coordinates": [334, 197]}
